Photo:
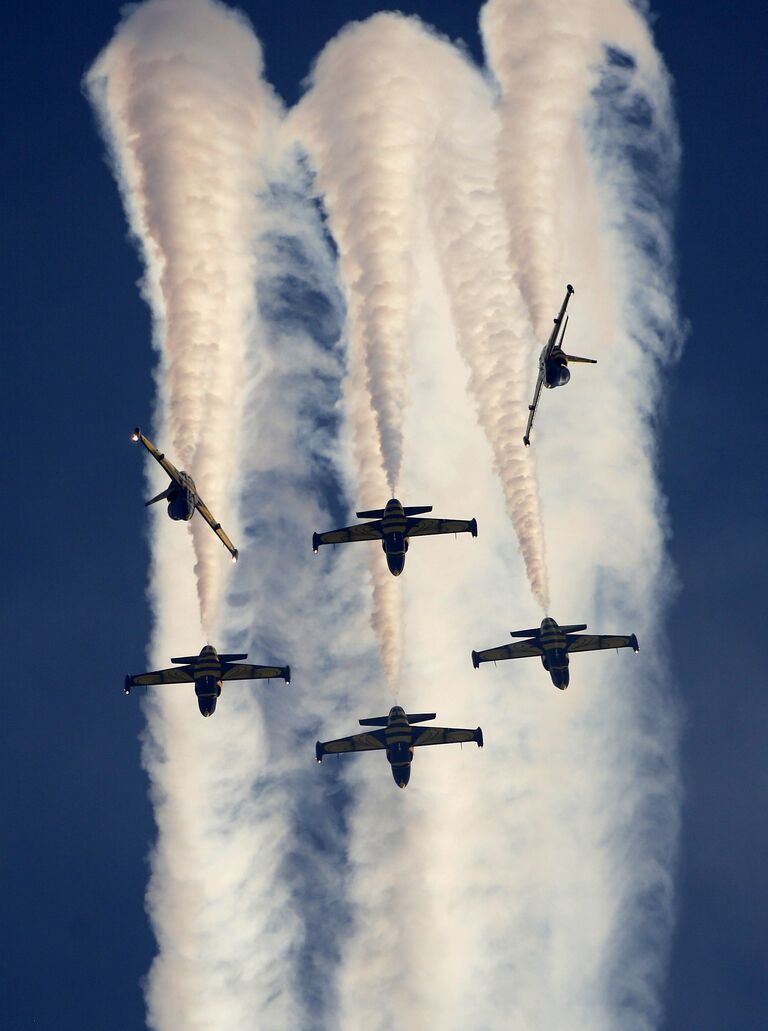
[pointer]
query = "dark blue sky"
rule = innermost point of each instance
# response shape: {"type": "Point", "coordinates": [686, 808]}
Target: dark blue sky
{"type": "Point", "coordinates": [77, 361]}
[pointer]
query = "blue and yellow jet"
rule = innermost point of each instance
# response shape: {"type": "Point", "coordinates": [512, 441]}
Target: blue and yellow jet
{"type": "Point", "coordinates": [181, 494]}
{"type": "Point", "coordinates": [553, 363]}
{"type": "Point", "coordinates": [207, 671]}
{"type": "Point", "coordinates": [553, 644]}
{"type": "Point", "coordinates": [394, 526]}
{"type": "Point", "coordinates": [399, 739]}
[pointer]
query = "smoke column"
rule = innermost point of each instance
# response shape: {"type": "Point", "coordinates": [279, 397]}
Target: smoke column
{"type": "Point", "coordinates": [367, 147]}
{"type": "Point", "coordinates": [527, 885]}
{"type": "Point", "coordinates": [187, 115]}
{"type": "Point", "coordinates": [190, 123]}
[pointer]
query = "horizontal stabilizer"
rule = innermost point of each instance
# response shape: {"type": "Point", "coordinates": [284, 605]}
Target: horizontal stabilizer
{"type": "Point", "coordinates": [185, 660]}
{"type": "Point", "coordinates": [420, 717]}
{"type": "Point", "coordinates": [575, 358]}
{"type": "Point", "coordinates": [230, 658]}
{"type": "Point", "coordinates": [374, 721]}
{"type": "Point", "coordinates": [417, 510]}
{"type": "Point", "coordinates": [375, 513]}
{"type": "Point", "coordinates": [525, 633]}
{"type": "Point", "coordinates": [159, 497]}
{"type": "Point", "coordinates": [573, 628]}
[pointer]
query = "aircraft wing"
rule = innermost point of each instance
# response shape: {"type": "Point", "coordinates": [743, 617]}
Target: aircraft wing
{"type": "Point", "coordinates": [205, 512]}
{"type": "Point", "coordinates": [518, 650]}
{"type": "Point", "coordinates": [597, 642]}
{"type": "Point", "coordinates": [425, 527]}
{"type": "Point", "coordinates": [158, 456]}
{"type": "Point", "coordinates": [444, 736]}
{"type": "Point", "coordinates": [532, 409]}
{"type": "Point", "coordinates": [176, 675]}
{"type": "Point", "coordinates": [246, 671]}
{"type": "Point", "coordinates": [356, 743]}
{"type": "Point", "coordinates": [361, 532]}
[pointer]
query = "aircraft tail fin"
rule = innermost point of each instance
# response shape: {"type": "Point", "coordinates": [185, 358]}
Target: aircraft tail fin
{"type": "Point", "coordinates": [374, 513]}
{"type": "Point", "coordinates": [374, 721]}
{"type": "Point", "coordinates": [534, 632]}
{"type": "Point", "coordinates": [573, 628]}
{"type": "Point", "coordinates": [417, 510]}
{"type": "Point", "coordinates": [184, 660]}
{"type": "Point", "coordinates": [420, 717]}
{"type": "Point", "coordinates": [160, 497]}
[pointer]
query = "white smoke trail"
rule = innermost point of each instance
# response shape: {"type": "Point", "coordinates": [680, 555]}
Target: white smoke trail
{"type": "Point", "coordinates": [189, 120]}
{"type": "Point", "coordinates": [531, 886]}
{"type": "Point", "coordinates": [186, 115]}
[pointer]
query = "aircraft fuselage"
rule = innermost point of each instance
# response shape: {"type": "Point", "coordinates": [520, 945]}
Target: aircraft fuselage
{"type": "Point", "coordinates": [555, 657]}
{"type": "Point", "coordinates": [399, 745]}
{"type": "Point", "coordinates": [554, 368]}
{"type": "Point", "coordinates": [182, 498]}
{"type": "Point", "coordinates": [208, 680]}
{"type": "Point", "coordinates": [395, 545]}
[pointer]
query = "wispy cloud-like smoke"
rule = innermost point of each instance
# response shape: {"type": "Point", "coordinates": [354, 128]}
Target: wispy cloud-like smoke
{"type": "Point", "coordinates": [528, 885]}
{"type": "Point", "coordinates": [187, 116]}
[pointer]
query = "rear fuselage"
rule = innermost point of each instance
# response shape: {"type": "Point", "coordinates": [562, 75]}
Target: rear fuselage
{"type": "Point", "coordinates": [555, 657]}
{"type": "Point", "coordinates": [399, 745]}
{"type": "Point", "coordinates": [395, 545]}
{"type": "Point", "coordinates": [555, 368]}
{"type": "Point", "coordinates": [208, 680]}
{"type": "Point", "coordinates": [182, 498]}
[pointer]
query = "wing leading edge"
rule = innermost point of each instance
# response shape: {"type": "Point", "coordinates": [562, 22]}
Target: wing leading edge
{"type": "Point", "coordinates": [355, 743]}
{"type": "Point", "coordinates": [427, 527]}
{"type": "Point", "coordinates": [205, 512]}
{"type": "Point", "coordinates": [598, 642]}
{"type": "Point", "coordinates": [445, 736]}
{"type": "Point", "coordinates": [361, 532]}
{"type": "Point", "coordinates": [517, 650]}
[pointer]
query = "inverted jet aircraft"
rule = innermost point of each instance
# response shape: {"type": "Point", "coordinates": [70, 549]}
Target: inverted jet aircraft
{"type": "Point", "coordinates": [181, 494]}
{"type": "Point", "coordinates": [399, 739]}
{"type": "Point", "coordinates": [394, 526]}
{"type": "Point", "coordinates": [553, 363]}
{"type": "Point", "coordinates": [553, 644]}
{"type": "Point", "coordinates": [207, 671]}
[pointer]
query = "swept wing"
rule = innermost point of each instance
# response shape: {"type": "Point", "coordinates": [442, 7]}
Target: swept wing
{"type": "Point", "coordinates": [361, 532]}
{"type": "Point", "coordinates": [597, 642]}
{"type": "Point", "coordinates": [247, 671]}
{"type": "Point", "coordinates": [518, 650]}
{"type": "Point", "coordinates": [176, 675]}
{"type": "Point", "coordinates": [445, 736]}
{"type": "Point", "coordinates": [158, 456]}
{"type": "Point", "coordinates": [355, 743]}
{"type": "Point", "coordinates": [205, 512]}
{"type": "Point", "coordinates": [426, 527]}
{"type": "Point", "coordinates": [532, 409]}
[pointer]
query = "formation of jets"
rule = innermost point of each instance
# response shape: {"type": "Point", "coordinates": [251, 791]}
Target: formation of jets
{"type": "Point", "coordinates": [394, 526]}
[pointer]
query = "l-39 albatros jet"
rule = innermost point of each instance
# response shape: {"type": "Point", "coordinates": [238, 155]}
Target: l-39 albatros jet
{"type": "Point", "coordinates": [394, 526]}
{"type": "Point", "coordinates": [399, 739]}
{"type": "Point", "coordinates": [553, 644]}
{"type": "Point", "coordinates": [207, 671]}
{"type": "Point", "coordinates": [553, 363]}
{"type": "Point", "coordinates": [181, 494]}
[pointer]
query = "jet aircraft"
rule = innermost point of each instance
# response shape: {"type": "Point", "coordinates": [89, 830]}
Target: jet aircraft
{"type": "Point", "coordinates": [553, 363]}
{"type": "Point", "coordinates": [207, 671]}
{"type": "Point", "coordinates": [399, 739]}
{"type": "Point", "coordinates": [553, 644]}
{"type": "Point", "coordinates": [394, 526]}
{"type": "Point", "coordinates": [181, 494]}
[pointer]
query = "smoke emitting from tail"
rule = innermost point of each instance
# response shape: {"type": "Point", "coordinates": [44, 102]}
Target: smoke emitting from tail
{"type": "Point", "coordinates": [281, 897]}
